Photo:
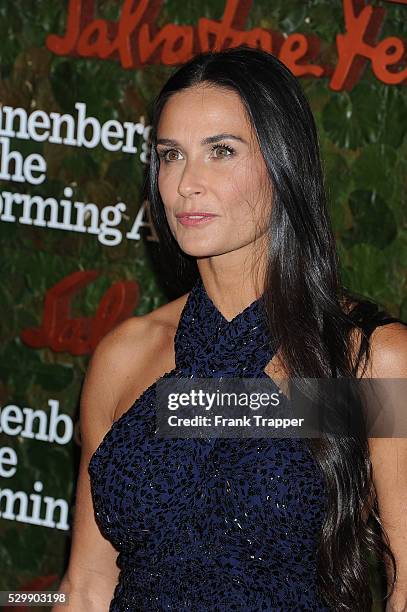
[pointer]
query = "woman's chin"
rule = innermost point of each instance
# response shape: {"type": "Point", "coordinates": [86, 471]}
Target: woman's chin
{"type": "Point", "coordinates": [199, 250]}
{"type": "Point", "coordinates": [199, 253]}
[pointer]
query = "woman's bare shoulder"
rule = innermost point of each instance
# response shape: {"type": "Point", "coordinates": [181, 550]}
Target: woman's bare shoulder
{"type": "Point", "coordinates": [142, 331]}
{"type": "Point", "coordinates": [134, 354]}
{"type": "Point", "coordinates": [389, 351]}
{"type": "Point", "coordinates": [168, 315]}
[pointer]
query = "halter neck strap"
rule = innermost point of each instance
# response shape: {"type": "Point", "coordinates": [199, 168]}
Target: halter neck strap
{"type": "Point", "coordinates": [208, 345]}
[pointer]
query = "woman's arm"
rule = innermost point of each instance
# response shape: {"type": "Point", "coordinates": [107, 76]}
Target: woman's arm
{"type": "Point", "coordinates": [92, 572]}
{"type": "Point", "coordinates": [389, 456]}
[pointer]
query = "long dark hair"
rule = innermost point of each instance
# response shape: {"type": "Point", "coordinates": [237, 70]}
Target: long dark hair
{"type": "Point", "coordinates": [304, 296]}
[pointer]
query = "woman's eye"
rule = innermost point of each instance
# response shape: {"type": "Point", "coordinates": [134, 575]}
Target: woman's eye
{"type": "Point", "coordinates": [164, 154]}
{"type": "Point", "coordinates": [224, 149]}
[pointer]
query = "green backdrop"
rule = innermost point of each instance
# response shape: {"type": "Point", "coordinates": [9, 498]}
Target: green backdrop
{"type": "Point", "coordinates": [364, 151]}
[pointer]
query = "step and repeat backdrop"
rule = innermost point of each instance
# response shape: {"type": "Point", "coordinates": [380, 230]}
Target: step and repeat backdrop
{"type": "Point", "coordinates": [79, 252]}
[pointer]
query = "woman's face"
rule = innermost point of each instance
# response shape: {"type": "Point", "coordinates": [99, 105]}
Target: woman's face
{"type": "Point", "coordinates": [210, 162]}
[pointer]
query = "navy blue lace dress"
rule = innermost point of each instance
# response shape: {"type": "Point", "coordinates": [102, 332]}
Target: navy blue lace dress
{"type": "Point", "coordinates": [216, 524]}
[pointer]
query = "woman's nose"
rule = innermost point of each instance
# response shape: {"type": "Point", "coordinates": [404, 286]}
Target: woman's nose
{"type": "Point", "coordinates": [191, 181]}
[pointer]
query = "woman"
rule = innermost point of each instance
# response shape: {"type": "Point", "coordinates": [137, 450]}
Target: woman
{"type": "Point", "coordinates": [237, 194]}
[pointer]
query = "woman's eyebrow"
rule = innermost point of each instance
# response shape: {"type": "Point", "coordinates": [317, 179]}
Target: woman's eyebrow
{"type": "Point", "coordinates": [208, 140]}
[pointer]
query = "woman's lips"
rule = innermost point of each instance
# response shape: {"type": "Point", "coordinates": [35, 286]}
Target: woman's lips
{"type": "Point", "coordinates": [195, 219]}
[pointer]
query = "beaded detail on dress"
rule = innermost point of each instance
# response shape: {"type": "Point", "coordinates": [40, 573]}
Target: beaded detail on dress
{"type": "Point", "coordinates": [209, 525]}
